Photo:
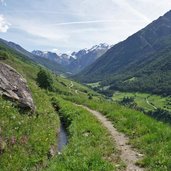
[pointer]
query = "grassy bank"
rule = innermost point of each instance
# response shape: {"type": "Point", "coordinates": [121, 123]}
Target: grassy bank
{"type": "Point", "coordinates": [26, 139]}
{"type": "Point", "coordinates": [89, 147]}
{"type": "Point", "coordinates": [151, 137]}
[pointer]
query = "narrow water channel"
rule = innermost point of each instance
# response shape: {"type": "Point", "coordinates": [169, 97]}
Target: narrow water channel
{"type": "Point", "coordinates": [63, 138]}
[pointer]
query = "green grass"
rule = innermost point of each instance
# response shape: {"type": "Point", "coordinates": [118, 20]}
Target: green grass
{"type": "Point", "coordinates": [90, 146]}
{"type": "Point", "coordinates": [27, 138]}
{"type": "Point", "coordinates": [140, 100]}
{"type": "Point", "coordinates": [150, 137]}
{"type": "Point", "coordinates": [161, 102]}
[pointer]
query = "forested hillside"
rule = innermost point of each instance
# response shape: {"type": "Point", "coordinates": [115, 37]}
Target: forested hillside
{"type": "Point", "coordinates": [140, 63]}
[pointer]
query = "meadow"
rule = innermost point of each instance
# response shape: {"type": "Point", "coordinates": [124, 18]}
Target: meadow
{"type": "Point", "coordinates": [151, 137]}
{"type": "Point", "coordinates": [90, 147]}
{"type": "Point", "coordinates": [27, 138]}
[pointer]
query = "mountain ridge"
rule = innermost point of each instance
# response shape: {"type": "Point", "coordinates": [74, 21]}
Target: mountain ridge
{"type": "Point", "coordinates": [76, 61]}
{"type": "Point", "coordinates": [129, 59]}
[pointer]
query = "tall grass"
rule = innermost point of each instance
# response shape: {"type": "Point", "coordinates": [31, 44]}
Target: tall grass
{"type": "Point", "coordinates": [25, 138]}
{"type": "Point", "coordinates": [89, 146]}
{"type": "Point", "coordinates": [150, 136]}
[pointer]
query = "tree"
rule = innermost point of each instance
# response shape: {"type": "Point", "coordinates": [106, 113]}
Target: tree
{"type": "Point", "coordinates": [4, 55]}
{"type": "Point", "coordinates": [44, 80]}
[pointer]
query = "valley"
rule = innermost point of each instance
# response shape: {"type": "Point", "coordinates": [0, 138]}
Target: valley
{"type": "Point", "coordinates": [141, 63]}
{"type": "Point", "coordinates": [104, 108]}
{"type": "Point", "coordinates": [89, 145]}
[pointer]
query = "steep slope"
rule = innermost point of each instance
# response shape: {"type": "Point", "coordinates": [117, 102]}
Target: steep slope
{"type": "Point", "coordinates": [27, 55]}
{"type": "Point", "coordinates": [142, 57]}
{"type": "Point", "coordinates": [62, 59]}
{"type": "Point", "coordinates": [30, 140]}
{"type": "Point", "coordinates": [23, 135]}
{"type": "Point", "coordinates": [86, 57]}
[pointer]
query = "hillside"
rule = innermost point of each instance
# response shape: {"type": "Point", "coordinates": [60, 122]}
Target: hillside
{"type": "Point", "coordinates": [29, 140]}
{"type": "Point", "coordinates": [140, 63]}
{"type": "Point", "coordinates": [55, 67]}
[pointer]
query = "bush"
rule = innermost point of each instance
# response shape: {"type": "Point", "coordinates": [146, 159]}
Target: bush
{"type": "Point", "coordinates": [4, 55]}
{"type": "Point", "coordinates": [127, 100]}
{"type": "Point", "coordinates": [44, 80]}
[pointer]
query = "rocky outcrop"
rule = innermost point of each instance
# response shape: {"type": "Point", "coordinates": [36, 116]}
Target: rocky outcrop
{"type": "Point", "coordinates": [14, 87]}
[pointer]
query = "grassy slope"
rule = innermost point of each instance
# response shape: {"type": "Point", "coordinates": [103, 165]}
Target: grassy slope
{"type": "Point", "coordinates": [151, 137]}
{"type": "Point", "coordinates": [27, 139]}
{"type": "Point", "coordinates": [90, 146]}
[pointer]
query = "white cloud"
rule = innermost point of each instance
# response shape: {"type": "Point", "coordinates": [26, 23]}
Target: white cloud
{"type": "Point", "coordinates": [4, 25]}
{"type": "Point", "coordinates": [3, 2]}
{"type": "Point", "coordinates": [71, 25]}
{"type": "Point", "coordinates": [95, 21]}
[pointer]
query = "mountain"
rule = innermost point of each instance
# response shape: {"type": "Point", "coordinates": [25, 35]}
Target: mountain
{"type": "Point", "coordinates": [27, 55]}
{"type": "Point", "coordinates": [77, 61]}
{"type": "Point", "coordinates": [31, 140]}
{"type": "Point", "coordinates": [47, 55]}
{"type": "Point", "coordinates": [86, 57]}
{"type": "Point", "coordinates": [140, 63]}
{"type": "Point", "coordinates": [62, 59]}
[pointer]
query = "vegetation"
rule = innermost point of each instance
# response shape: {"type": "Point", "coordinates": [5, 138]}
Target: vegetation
{"type": "Point", "coordinates": [161, 115]}
{"type": "Point", "coordinates": [25, 139]}
{"type": "Point", "coordinates": [90, 147]}
{"type": "Point", "coordinates": [152, 138]}
{"type": "Point", "coordinates": [140, 63]}
{"type": "Point", "coordinates": [148, 102]}
{"type": "Point", "coordinates": [3, 55]}
{"type": "Point", "coordinates": [44, 80]}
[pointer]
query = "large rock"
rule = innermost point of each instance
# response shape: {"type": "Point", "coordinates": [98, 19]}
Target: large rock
{"type": "Point", "coordinates": [14, 87]}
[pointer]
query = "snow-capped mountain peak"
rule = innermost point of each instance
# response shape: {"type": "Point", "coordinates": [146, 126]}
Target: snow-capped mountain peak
{"type": "Point", "coordinates": [76, 61]}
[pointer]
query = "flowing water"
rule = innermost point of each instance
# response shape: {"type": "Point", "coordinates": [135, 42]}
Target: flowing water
{"type": "Point", "coordinates": [63, 138]}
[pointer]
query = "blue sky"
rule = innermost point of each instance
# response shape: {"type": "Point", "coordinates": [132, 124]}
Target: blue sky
{"type": "Point", "coordinates": [69, 25]}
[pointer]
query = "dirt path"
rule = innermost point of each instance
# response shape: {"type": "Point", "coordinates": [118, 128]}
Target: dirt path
{"type": "Point", "coordinates": [128, 155]}
{"type": "Point", "coordinates": [150, 104]}
{"type": "Point", "coordinates": [71, 85]}
{"type": "Point", "coordinates": [76, 91]}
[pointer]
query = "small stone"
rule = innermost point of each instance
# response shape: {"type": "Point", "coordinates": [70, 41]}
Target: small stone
{"type": "Point", "coordinates": [139, 155]}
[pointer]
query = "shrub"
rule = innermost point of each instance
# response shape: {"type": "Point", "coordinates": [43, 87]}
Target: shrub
{"type": "Point", "coordinates": [4, 55]}
{"type": "Point", "coordinates": [44, 80]}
